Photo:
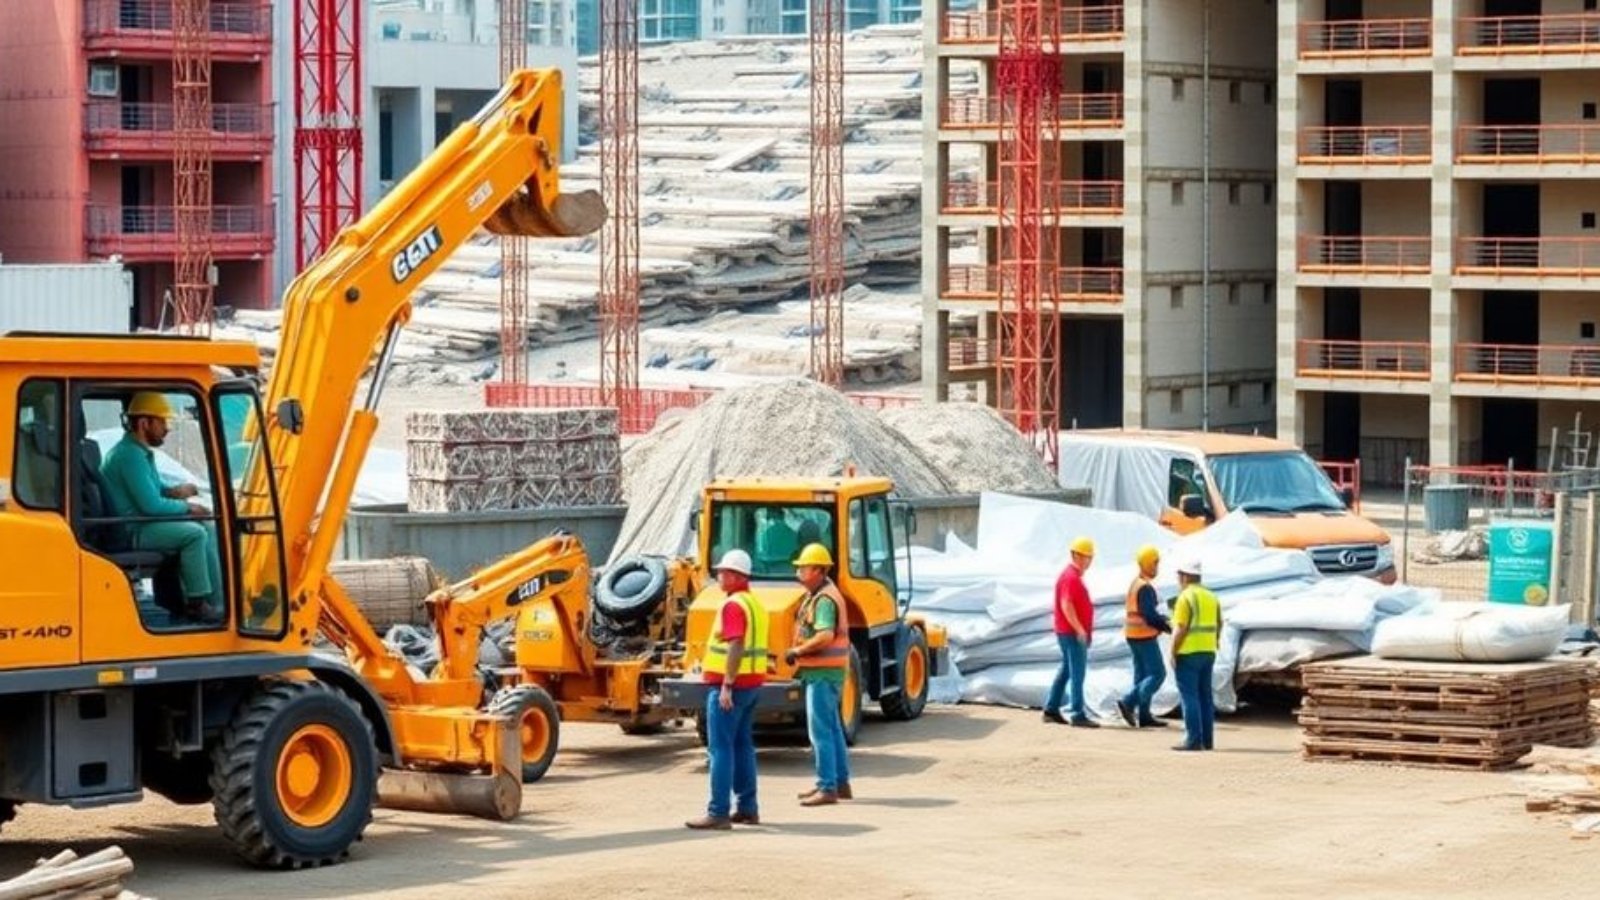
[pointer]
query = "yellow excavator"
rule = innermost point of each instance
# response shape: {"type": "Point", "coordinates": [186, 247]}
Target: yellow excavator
{"type": "Point", "coordinates": [160, 635]}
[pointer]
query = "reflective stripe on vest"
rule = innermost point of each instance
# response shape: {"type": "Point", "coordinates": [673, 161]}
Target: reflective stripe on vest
{"type": "Point", "coordinates": [1136, 628]}
{"type": "Point", "coordinates": [836, 653]}
{"type": "Point", "coordinates": [754, 660]}
{"type": "Point", "coordinates": [1204, 613]}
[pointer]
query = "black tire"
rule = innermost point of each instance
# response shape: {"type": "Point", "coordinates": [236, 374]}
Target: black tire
{"type": "Point", "coordinates": [852, 721]}
{"type": "Point", "coordinates": [632, 589]}
{"type": "Point", "coordinates": [643, 729]}
{"type": "Point", "coordinates": [185, 780]}
{"type": "Point", "coordinates": [908, 702]}
{"type": "Point", "coordinates": [536, 716]}
{"type": "Point", "coordinates": [244, 775]}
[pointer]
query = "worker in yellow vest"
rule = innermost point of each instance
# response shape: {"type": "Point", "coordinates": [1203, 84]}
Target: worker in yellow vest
{"type": "Point", "coordinates": [1143, 625]}
{"type": "Point", "coordinates": [1197, 618]}
{"type": "Point", "coordinates": [735, 666]}
{"type": "Point", "coordinates": [823, 657]}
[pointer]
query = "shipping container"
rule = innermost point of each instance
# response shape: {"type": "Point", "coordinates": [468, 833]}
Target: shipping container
{"type": "Point", "coordinates": [94, 298]}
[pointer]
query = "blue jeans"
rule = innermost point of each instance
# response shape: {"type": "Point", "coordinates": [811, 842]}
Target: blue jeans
{"type": "Point", "coordinates": [731, 744]}
{"type": "Point", "coordinates": [1074, 665]}
{"type": "Point", "coordinates": [1148, 673]}
{"type": "Point", "coordinates": [826, 729]}
{"type": "Point", "coordinates": [1199, 704]}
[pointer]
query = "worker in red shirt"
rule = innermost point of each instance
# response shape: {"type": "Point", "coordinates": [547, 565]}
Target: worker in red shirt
{"type": "Point", "coordinates": [735, 667]}
{"type": "Point", "coordinates": [1074, 618]}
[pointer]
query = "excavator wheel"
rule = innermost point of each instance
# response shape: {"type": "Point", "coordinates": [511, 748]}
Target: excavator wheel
{"type": "Point", "coordinates": [295, 775]}
{"type": "Point", "coordinates": [539, 723]}
{"type": "Point", "coordinates": [907, 703]}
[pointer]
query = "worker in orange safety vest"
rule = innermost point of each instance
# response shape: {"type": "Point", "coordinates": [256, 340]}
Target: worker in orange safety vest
{"type": "Point", "coordinates": [1142, 628]}
{"type": "Point", "coordinates": [823, 658]}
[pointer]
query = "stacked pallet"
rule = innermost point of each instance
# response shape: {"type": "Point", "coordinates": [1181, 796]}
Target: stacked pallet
{"type": "Point", "coordinates": [507, 459]}
{"type": "Point", "coordinates": [1457, 715]}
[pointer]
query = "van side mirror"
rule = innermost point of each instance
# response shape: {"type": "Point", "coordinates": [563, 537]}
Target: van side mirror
{"type": "Point", "coordinates": [1192, 506]}
{"type": "Point", "coordinates": [1348, 495]}
{"type": "Point", "coordinates": [291, 416]}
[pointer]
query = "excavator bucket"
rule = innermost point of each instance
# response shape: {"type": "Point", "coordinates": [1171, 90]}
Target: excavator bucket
{"type": "Point", "coordinates": [568, 215]}
{"type": "Point", "coordinates": [493, 790]}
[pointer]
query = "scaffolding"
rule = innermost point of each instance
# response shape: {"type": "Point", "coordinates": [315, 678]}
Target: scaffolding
{"type": "Point", "coordinates": [513, 248]}
{"type": "Point", "coordinates": [327, 128]}
{"type": "Point", "coordinates": [193, 269]}
{"type": "Point", "coordinates": [619, 185]}
{"type": "Point", "coordinates": [827, 192]}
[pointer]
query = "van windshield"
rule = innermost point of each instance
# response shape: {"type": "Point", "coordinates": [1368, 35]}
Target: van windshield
{"type": "Point", "coordinates": [1283, 482]}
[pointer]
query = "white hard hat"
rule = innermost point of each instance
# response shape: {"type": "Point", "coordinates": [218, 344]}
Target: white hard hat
{"type": "Point", "coordinates": [735, 561]}
{"type": "Point", "coordinates": [1190, 566]}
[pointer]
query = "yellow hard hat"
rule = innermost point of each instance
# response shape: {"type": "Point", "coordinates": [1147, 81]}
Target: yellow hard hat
{"type": "Point", "coordinates": [1147, 555]}
{"type": "Point", "coordinates": [1083, 546]}
{"type": "Point", "coordinates": [148, 403]}
{"type": "Point", "coordinates": [814, 555]}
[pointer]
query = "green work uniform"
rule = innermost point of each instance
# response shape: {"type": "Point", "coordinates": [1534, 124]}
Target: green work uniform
{"type": "Point", "coordinates": [825, 618]}
{"type": "Point", "coordinates": [134, 489]}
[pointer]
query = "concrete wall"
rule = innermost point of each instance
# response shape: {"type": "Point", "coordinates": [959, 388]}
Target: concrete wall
{"type": "Point", "coordinates": [43, 171]}
{"type": "Point", "coordinates": [1562, 316]}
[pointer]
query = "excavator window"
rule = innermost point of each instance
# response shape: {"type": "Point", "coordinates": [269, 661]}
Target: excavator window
{"type": "Point", "coordinates": [771, 533]}
{"type": "Point", "coordinates": [143, 497]}
{"type": "Point", "coordinates": [257, 537]}
{"type": "Point", "coordinates": [39, 465]}
{"type": "Point", "coordinates": [872, 541]}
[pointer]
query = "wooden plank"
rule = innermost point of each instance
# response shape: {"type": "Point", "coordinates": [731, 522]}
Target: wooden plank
{"type": "Point", "coordinates": [1424, 711]}
{"type": "Point", "coordinates": [1407, 760]}
{"type": "Point", "coordinates": [741, 154]}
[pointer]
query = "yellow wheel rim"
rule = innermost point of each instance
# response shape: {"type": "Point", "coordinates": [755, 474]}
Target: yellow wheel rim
{"type": "Point", "coordinates": [849, 698]}
{"type": "Point", "coordinates": [916, 672]}
{"type": "Point", "coordinates": [315, 776]}
{"type": "Point", "coordinates": [535, 731]}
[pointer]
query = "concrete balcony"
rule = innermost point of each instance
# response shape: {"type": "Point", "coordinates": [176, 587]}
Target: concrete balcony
{"type": "Point", "coordinates": [1356, 44]}
{"type": "Point", "coordinates": [1077, 25]}
{"type": "Point", "coordinates": [150, 233]}
{"type": "Point", "coordinates": [1091, 287]}
{"type": "Point", "coordinates": [1365, 255]}
{"type": "Point", "coordinates": [112, 130]}
{"type": "Point", "coordinates": [1082, 199]}
{"type": "Point", "coordinates": [1528, 257]}
{"type": "Point", "coordinates": [1385, 147]}
{"type": "Point", "coordinates": [1363, 360]}
{"type": "Point", "coordinates": [240, 30]}
{"type": "Point", "coordinates": [1528, 145]}
{"type": "Point", "coordinates": [1075, 111]}
{"type": "Point", "coordinates": [1528, 365]}
{"type": "Point", "coordinates": [1572, 35]}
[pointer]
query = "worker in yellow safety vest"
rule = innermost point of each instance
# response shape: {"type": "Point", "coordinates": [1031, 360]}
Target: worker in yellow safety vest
{"type": "Point", "coordinates": [822, 654]}
{"type": "Point", "coordinates": [1143, 625]}
{"type": "Point", "coordinates": [735, 667]}
{"type": "Point", "coordinates": [1197, 618]}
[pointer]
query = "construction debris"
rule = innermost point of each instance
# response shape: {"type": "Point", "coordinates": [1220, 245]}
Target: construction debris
{"type": "Point", "coordinates": [389, 592]}
{"type": "Point", "coordinates": [66, 876]}
{"type": "Point", "coordinates": [509, 459]}
{"type": "Point", "coordinates": [1453, 715]}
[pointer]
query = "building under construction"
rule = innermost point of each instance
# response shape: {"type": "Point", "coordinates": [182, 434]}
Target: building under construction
{"type": "Point", "coordinates": [142, 129]}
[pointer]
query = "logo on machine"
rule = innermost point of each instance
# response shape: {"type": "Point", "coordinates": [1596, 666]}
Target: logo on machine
{"type": "Point", "coordinates": [406, 262]}
{"type": "Point", "coordinates": [529, 588]}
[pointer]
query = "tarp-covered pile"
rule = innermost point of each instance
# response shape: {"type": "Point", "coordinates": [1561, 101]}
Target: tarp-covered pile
{"type": "Point", "coordinates": [995, 598]}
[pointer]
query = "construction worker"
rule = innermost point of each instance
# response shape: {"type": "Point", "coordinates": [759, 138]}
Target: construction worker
{"type": "Point", "coordinates": [1144, 624]}
{"type": "Point", "coordinates": [1197, 618]}
{"type": "Point", "coordinates": [736, 667]}
{"type": "Point", "coordinates": [135, 491]}
{"type": "Point", "coordinates": [823, 658]}
{"type": "Point", "coordinates": [1074, 622]}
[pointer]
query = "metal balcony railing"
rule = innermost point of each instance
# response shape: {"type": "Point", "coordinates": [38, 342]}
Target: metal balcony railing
{"type": "Point", "coordinates": [104, 18]}
{"type": "Point", "coordinates": [1073, 110]}
{"type": "Point", "coordinates": [1362, 254]}
{"type": "Point", "coordinates": [1366, 38]}
{"type": "Point", "coordinates": [1529, 256]}
{"type": "Point", "coordinates": [1073, 284]}
{"type": "Point", "coordinates": [1368, 145]}
{"type": "Point", "coordinates": [1078, 23]}
{"type": "Point", "coordinates": [1406, 360]}
{"type": "Point", "coordinates": [112, 117]}
{"type": "Point", "coordinates": [1569, 33]}
{"type": "Point", "coordinates": [1537, 144]}
{"type": "Point", "coordinates": [972, 353]}
{"type": "Point", "coordinates": [150, 232]}
{"type": "Point", "coordinates": [1538, 364]}
{"type": "Point", "coordinates": [1069, 197]}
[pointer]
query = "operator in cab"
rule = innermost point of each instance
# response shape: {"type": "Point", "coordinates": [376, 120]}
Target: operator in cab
{"type": "Point", "coordinates": [736, 665]}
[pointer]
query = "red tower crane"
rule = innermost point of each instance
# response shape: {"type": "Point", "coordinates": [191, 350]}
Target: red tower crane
{"type": "Point", "coordinates": [619, 185]}
{"type": "Point", "coordinates": [327, 125]}
{"type": "Point", "coordinates": [513, 248]}
{"type": "Point", "coordinates": [1029, 81]}
{"type": "Point", "coordinates": [191, 165]}
{"type": "Point", "coordinates": [827, 191]}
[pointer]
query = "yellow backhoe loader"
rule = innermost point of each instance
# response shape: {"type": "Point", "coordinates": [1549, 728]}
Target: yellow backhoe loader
{"type": "Point", "coordinates": [161, 638]}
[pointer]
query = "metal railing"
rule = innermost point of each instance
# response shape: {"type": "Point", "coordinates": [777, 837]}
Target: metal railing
{"type": "Point", "coordinates": [103, 18]}
{"type": "Point", "coordinates": [1070, 197]}
{"type": "Point", "coordinates": [111, 117]}
{"type": "Point", "coordinates": [1078, 23]}
{"type": "Point", "coordinates": [1529, 34]}
{"type": "Point", "coordinates": [652, 402]}
{"type": "Point", "coordinates": [1074, 285]}
{"type": "Point", "coordinates": [1370, 144]}
{"type": "Point", "coordinates": [1365, 255]}
{"type": "Point", "coordinates": [972, 353]}
{"type": "Point", "coordinates": [1082, 110]}
{"type": "Point", "coordinates": [1345, 476]}
{"type": "Point", "coordinates": [1572, 365]}
{"type": "Point", "coordinates": [131, 221]}
{"type": "Point", "coordinates": [1406, 360]}
{"type": "Point", "coordinates": [1366, 38]}
{"type": "Point", "coordinates": [1528, 143]}
{"type": "Point", "coordinates": [1535, 256]}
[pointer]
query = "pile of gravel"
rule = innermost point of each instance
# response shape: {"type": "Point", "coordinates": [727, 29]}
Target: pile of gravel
{"type": "Point", "coordinates": [971, 447]}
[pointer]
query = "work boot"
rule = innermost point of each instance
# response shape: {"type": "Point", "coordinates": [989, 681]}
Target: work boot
{"type": "Point", "coordinates": [740, 818]}
{"type": "Point", "coordinates": [1186, 748]}
{"type": "Point", "coordinates": [804, 794]}
{"type": "Point", "coordinates": [1083, 722]}
{"type": "Point", "coordinates": [1053, 717]}
{"type": "Point", "coordinates": [1152, 722]}
{"type": "Point", "coordinates": [846, 794]}
{"type": "Point", "coordinates": [1126, 712]}
{"type": "Point", "coordinates": [710, 823]}
{"type": "Point", "coordinates": [821, 798]}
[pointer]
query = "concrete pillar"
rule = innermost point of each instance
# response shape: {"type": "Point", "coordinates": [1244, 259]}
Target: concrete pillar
{"type": "Point", "coordinates": [935, 243]}
{"type": "Point", "coordinates": [1443, 438]}
{"type": "Point", "coordinates": [1291, 404]}
{"type": "Point", "coordinates": [1133, 243]}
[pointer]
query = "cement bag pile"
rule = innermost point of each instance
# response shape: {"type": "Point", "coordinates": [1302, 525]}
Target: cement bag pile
{"type": "Point", "coordinates": [787, 429]}
{"type": "Point", "coordinates": [996, 597]}
{"type": "Point", "coordinates": [1474, 632]}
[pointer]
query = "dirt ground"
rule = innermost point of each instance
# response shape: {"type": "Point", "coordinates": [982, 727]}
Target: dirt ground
{"type": "Point", "coordinates": [966, 802]}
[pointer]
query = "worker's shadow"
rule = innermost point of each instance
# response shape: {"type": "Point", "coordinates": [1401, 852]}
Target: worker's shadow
{"type": "Point", "coordinates": [941, 723]}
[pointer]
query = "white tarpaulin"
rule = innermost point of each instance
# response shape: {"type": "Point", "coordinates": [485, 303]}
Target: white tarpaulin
{"type": "Point", "coordinates": [1123, 474]}
{"type": "Point", "coordinates": [995, 599]}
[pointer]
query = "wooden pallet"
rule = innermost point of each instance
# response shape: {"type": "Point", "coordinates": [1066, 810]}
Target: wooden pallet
{"type": "Point", "coordinates": [1366, 708]}
{"type": "Point", "coordinates": [1567, 733]}
{"type": "Point", "coordinates": [1401, 758]}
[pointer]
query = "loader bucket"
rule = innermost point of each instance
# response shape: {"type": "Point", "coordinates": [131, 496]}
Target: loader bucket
{"type": "Point", "coordinates": [497, 797]}
{"type": "Point", "coordinates": [569, 215]}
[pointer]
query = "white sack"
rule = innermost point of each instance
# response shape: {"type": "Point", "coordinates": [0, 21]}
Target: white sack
{"type": "Point", "coordinates": [1274, 651]}
{"type": "Point", "coordinates": [1474, 632]}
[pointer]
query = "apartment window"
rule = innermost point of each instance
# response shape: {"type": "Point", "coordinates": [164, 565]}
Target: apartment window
{"type": "Point", "coordinates": [1233, 396]}
{"type": "Point", "coordinates": [1234, 193]}
{"type": "Point", "coordinates": [1589, 111]}
{"type": "Point", "coordinates": [1267, 290]}
{"type": "Point", "coordinates": [1586, 330]}
{"type": "Point", "coordinates": [1268, 93]}
{"type": "Point", "coordinates": [1266, 393]}
{"type": "Point", "coordinates": [1235, 91]}
{"type": "Point", "coordinates": [1176, 296]}
{"type": "Point", "coordinates": [1177, 193]}
{"type": "Point", "coordinates": [1177, 88]}
{"type": "Point", "coordinates": [1233, 293]}
{"type": "Point", "coordinates": [1175, 401]}
{"type": "Point", "coordinates": [1591, 5]}
{"type": "Point", "coordinates": [1266, 193]}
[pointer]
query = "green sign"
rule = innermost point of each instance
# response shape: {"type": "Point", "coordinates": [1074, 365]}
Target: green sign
{"type": "Point", "coordinates": [1519, 562]}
